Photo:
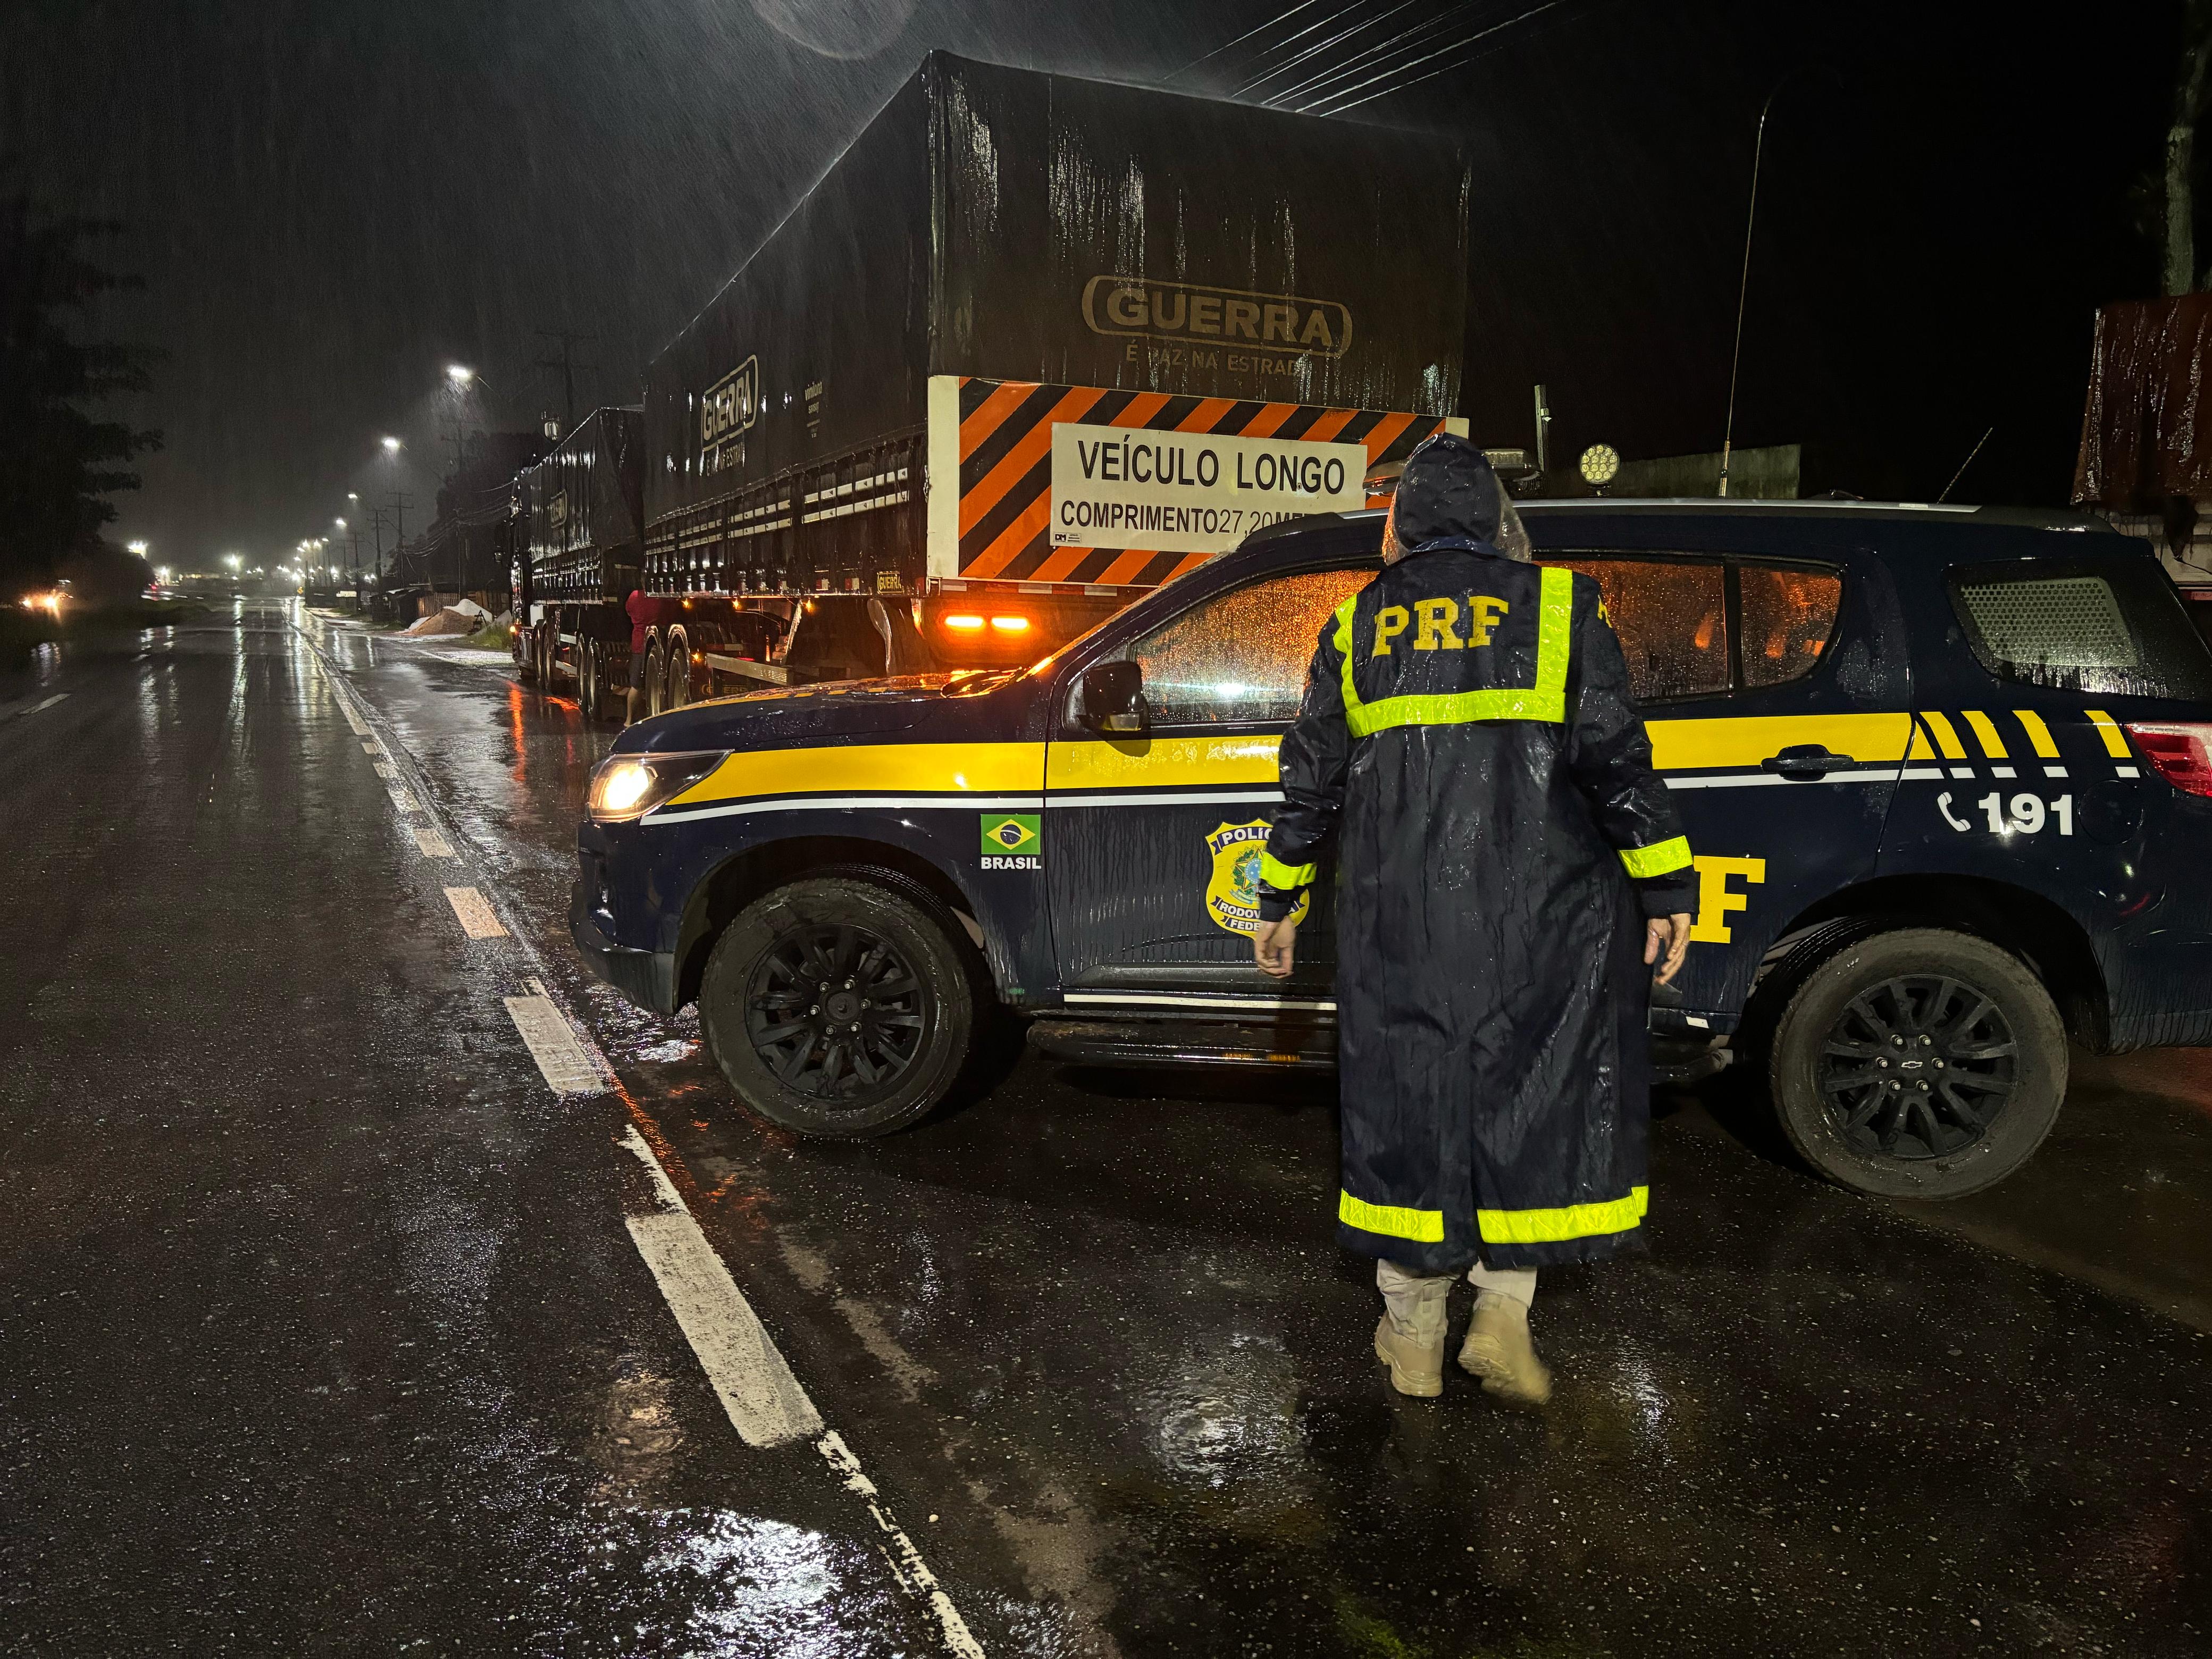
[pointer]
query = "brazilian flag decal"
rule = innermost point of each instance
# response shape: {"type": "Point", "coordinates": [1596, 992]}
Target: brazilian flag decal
{"type": "Point", "coordinates": [1012, 840]}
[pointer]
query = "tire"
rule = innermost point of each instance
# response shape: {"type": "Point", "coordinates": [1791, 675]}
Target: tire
{"type": "Point", "coordinates": [680, 675]}
{"type": "Point", "coordinates": [589, 692]}
{"type": "Point", "coordinates": [781, 1055]}
{"type": "Point", "coordinates": [548, 652]}
{"type": "Point", "coordinates": [525, 657]}
{"type": "Point", "coordinates": [1917, 1063]}
{"type": "Point", "coordinates": [656, 678]}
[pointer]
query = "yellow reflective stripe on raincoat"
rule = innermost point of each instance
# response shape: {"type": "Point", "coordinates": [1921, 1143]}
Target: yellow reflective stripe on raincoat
{"type": "Point", "coordinates": [1422, 1226]}
{"type": "Point", "coordinates": [1546, 699]}
{"type": "Point", "coordinates": [1658, 859]}
{"type": "Point", "coordinates": [1569, 1221]}
{"type": "Point", "coordinates": [1283, 876]}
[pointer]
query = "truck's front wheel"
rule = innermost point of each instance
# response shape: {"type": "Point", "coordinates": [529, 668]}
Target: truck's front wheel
{"type": "Point", "coordinates": [1917, 1063]}
{"type": "Point", "coordinates": [838, 1007]}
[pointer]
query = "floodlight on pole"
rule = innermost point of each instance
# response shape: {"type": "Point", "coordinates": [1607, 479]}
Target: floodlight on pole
{"type": "Point", "coordinates": [459, 374]}
{"type": "Point", "coordinates": [392, 446]}
{"type": "Point", "coordinates": [139, 548]}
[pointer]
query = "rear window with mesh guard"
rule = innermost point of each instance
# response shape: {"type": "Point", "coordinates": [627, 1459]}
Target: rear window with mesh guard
{"type": "Point", "coordinates": [2114, 627]}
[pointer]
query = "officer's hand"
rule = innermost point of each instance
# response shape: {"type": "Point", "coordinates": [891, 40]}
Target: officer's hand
{"type": "Point", "coordinates": [1674, 932]}
{"type": "Point", "coordinates": [1273, 946]}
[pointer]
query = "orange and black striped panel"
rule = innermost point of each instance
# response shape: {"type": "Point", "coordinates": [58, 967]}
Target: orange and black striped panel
{"type": "Point", "coordinates": [1006, 468]}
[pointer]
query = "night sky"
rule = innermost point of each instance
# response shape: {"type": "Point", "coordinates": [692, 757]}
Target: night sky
{"type": "Point", "coordinates": [330, 200]}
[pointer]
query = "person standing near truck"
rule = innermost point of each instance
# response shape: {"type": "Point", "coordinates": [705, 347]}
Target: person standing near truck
{"type": "Point", "coordinates": [1509, 866]}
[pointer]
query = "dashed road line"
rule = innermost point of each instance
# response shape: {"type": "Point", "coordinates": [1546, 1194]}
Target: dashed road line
{"type": "Point", "coordinates": [765, 1400]}
{"type": "Point", "coordinates": [552, 1042]}
{"type": "Point", "coordinates": [477, 921]}
{"type": "Point", "coordinates": [38, 708]}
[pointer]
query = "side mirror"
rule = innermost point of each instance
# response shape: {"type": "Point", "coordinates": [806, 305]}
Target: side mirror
{"type": "Point", "coordinates": [1109, 699]}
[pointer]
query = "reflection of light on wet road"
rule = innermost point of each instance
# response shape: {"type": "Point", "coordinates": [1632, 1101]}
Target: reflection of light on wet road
{"type": "Point", "coordinates": [1231, 1416]}
{"type": "Point", "coordinates": [768, 1588]}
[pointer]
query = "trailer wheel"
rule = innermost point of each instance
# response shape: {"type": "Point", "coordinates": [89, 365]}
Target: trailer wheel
{"type": "Point", "coordinates": [548, 652]}
{"type": "Point", "coordinates": [680, 675]}
{"type": "Point", "coordinates": [656, 678]}
{"type": "Point", "coordinates": [1917, 1063]}
{"type": "Point", "coordinates": [587, 678]}
{"type": "Point", "coordinates": [839, 1007]}
{"type": "Point", "coordinates": [524, 646]}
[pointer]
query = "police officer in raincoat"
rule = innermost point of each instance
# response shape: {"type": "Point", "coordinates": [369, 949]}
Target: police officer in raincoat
{"type": "Point", "coordinates": [1509, 866]}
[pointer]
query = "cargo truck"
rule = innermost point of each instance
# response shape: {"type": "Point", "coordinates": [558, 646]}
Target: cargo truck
{"type": "Point", "coordinates": [1031, 347]}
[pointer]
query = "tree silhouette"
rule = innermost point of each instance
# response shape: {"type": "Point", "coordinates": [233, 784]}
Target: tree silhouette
{"type": "Point", "coordinates": [58, 463]}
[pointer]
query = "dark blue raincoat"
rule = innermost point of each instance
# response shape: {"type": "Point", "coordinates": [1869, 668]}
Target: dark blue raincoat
{"type": "Point", "coordinates": [1468, 739]}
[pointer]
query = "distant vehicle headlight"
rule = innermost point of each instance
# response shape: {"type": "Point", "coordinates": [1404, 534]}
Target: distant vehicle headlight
{"type": "Point", "coordinates": [625, 787]}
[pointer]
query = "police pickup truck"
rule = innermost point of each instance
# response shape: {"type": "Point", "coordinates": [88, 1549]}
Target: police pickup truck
{"type": "Point", "coordinates": [1946, 773]}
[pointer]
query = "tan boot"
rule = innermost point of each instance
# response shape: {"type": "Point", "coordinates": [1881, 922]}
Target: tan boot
{"type": "Point", "coordinates": [1416, 1367]}
{"type": "Point", "coordinates": [1498, 1350]}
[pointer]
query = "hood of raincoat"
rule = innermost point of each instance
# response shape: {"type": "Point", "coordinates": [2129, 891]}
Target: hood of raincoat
{"type": "Point", "coordinates": [1448, 492]}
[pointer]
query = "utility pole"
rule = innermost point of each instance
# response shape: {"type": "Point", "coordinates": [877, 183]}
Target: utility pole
{"type": "Point", "coordinates": [567, 364]}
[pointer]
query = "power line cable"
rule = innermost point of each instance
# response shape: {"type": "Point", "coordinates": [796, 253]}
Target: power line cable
{"type": "Point", "coordinates": [1367, 57]}
{"type": "Point", "coordinates": [1293, 62]}
{"type": "Point", "coordinates": [1339, 108]}
{"type": "Point", "coordinates": [1241, 39]}
{"type": "Point", "coordinates": [1334, 40]}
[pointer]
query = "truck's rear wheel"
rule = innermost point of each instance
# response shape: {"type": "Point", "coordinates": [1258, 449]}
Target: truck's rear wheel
{"type": "Point", "coordinates": [838, 1007]}
{"type": "Point", "coordinates": [524, 646]}
{"type": "Point", "coordinates": [656, 678]}
{"type": "Point", "coordinates": [591, 688]}
{"type": "Point", "coordinates": [680, 675]}
{"type": "Point", "coordinates": [1917, 1063]}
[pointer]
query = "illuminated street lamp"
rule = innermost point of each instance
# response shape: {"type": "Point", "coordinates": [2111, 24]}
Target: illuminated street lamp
{"type": "Point", "coordinates": [392, 446]}
{"type": "Point", "coordinates": [459, 374]}
{"type": "Point", "coordinates": [232, 560]}
{"type": "Point", "coordinates": [161, 574]}
{"type": "Point", "coordinates": [139, 548]}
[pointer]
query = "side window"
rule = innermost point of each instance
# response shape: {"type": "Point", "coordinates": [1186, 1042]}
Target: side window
{"type": "Point", "coordinates": [1676, 616]}
{"type": "Point", "coordinates": [2112, 626]}
{"type": "Point", "coordinates": [1789, 613]}
{"type": "Point", "coordinates": [1242, 656]}
{"type": "Point", "coordinates": [1671, 617]}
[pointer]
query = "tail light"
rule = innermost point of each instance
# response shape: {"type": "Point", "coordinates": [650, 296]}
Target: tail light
{"type": "Point", "coordinates": [962, 623]}
{"type": "Point", "coordinates": [1010, 625]}
{"type": "Point", "coordinates": [2182, 753]}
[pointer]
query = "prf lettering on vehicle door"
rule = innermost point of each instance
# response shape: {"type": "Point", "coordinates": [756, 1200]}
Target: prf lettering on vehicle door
{"type": "Point", "coordinates": [1715, 898]}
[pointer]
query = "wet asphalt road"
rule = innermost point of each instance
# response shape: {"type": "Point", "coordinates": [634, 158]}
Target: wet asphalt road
{"type": "Point", "coordinates": [325, 1330]}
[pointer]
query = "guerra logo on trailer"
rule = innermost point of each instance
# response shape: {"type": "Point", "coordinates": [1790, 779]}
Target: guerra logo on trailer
{"type": "Point", "coordinates": [728, 410]}
{"type": "Point", "coordinates": [1228, 316]}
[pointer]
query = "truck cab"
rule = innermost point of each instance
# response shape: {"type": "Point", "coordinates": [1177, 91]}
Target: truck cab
{"type": "Point", "coordinates": [1943, 772]}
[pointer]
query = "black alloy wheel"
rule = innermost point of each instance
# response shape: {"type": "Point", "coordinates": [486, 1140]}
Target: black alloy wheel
{"type": "Point", "coordinates": [1917, 1063]}
{"type": "Point", "coordinates": [1918, 1067]}
{"type": "Point", "coordinates": [840, 1007]}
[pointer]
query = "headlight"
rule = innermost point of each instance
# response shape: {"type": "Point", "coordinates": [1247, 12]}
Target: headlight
{"type": "Point", "coordinates": [625, 787]}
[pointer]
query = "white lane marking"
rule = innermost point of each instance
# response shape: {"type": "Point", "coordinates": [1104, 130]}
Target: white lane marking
{"type": "Point", "coordinates": [477, 921]}
{"type": "Point", "coordinates": [765, 1400]}
{"type": "Point", "coordinates": [431, 845]}
{"type": "Point", "coordinates": [402, 799]}
{"type": "Point", "coordinates": [40, 707]}
{"type": "Point", "coordinates": [368, 747]}
{"type": "Point", "coordinates": [906, 1563]}
{"type": "Point", "coordinates": [766, 1403]}
{"type": "Point", "coordinates": [385, 772]}
{"type": "Point", "coordinates": [562, 1061]}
